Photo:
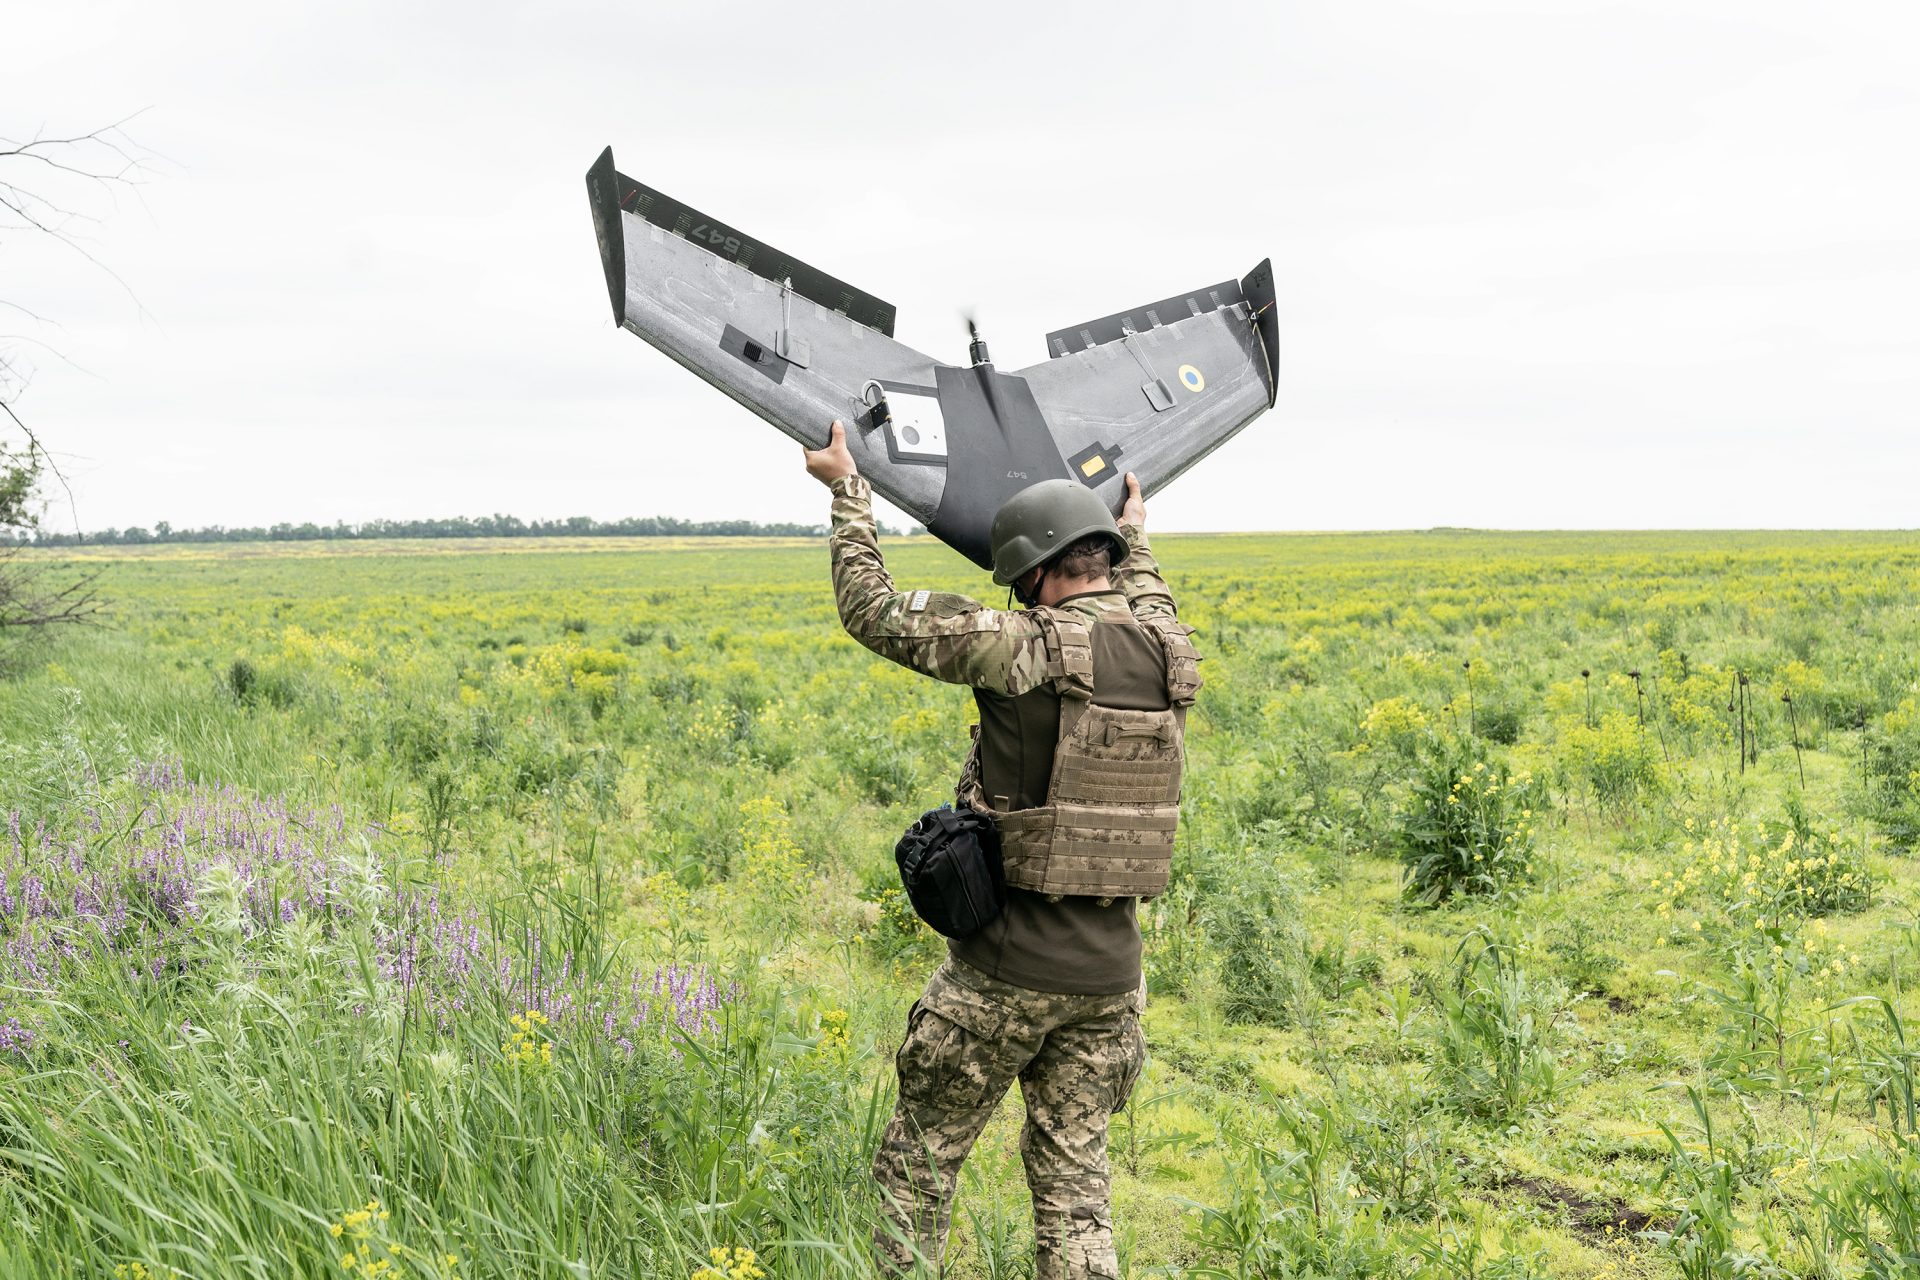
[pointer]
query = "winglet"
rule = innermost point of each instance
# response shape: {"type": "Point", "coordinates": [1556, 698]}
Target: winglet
{"type": "Point", "coordinates": [1258, 289]}
{"type": "Point", "coordinates": [603, 194]}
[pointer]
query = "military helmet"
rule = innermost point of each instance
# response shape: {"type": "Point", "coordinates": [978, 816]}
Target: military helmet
{"type": "Point", "coordinates": [1042, 520]}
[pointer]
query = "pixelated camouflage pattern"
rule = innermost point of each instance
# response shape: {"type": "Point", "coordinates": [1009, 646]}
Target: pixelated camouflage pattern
{"type": "Point", "coordinates": [968, 1039]}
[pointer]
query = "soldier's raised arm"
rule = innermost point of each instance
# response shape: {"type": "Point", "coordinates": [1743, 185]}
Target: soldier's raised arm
{"type": "Point", "coordinates": [947, 636]}
{"type": "Point", "coordinates": [1139, 574]}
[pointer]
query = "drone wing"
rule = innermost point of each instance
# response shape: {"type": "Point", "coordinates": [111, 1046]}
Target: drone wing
{"type": "Point", "coordinates": [1155, 389]}
{"type": "Point", "coordinates": [790, 342]}
{"type": "Point", "coordinates": [1150, 391]}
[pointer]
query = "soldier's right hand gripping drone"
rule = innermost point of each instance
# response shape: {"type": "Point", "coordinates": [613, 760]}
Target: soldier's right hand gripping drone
{"type": "Point", "coordinates": [1152, 390]}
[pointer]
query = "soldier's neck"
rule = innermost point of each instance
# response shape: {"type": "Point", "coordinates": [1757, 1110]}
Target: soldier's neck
{"type": "Point", "coordinates": [1053, 590]}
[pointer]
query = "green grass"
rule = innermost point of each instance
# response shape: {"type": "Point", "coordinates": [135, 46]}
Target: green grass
{"type": "Point", "coordinates": [670, 756]}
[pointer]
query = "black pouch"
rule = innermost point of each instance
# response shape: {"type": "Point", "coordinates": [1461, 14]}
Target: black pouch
{"type": "Point", "coordinates": [950, 867]}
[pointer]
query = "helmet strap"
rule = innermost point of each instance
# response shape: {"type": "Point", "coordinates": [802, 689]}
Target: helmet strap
{"type": "Point", "coordinates": [1030, 599]}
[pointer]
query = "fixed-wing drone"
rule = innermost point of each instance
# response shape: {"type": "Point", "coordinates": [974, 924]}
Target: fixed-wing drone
{"type": "Point", "coordinates": [1151, 390]}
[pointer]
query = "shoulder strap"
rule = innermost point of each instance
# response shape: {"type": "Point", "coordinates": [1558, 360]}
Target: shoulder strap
{"type": "Point", "coordinates": [1069, 644]}
{"type": "Point", "coordinates": [1183, 660]}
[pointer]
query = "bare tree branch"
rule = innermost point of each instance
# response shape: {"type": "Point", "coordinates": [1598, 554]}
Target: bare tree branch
{"type": "Point", "coordinates": [134, 166]}
{"type": "Point", "coordinates": [35, 593]}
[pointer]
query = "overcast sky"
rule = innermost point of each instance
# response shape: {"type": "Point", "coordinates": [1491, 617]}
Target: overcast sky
{"type": "Point", "coordinates": [1539, 264]}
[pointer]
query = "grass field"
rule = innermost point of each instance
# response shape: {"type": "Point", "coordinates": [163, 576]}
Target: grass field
{"type": "Point", "coordinates": [1544, 907]}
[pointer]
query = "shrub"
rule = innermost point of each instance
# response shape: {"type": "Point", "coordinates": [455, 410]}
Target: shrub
{"type": "Point", "coordinates": [1467, 825]}
{"type": "Point", "coordinates": [886, 772]}
{"type": "Point", "coordinates": [1400, 1149]}
{"type": "Point", "coordinates": [770, 866]}
{"type": "Point", "coordinates": [1612, 758]}
{"type": "Point", "coordinates": [1494, 1050]}
{"type": "Point", "coordinates": [1501, 722]}
{"type": "Point", "coordinates": [1253, 916]}
{"type": "Point", "coordinates": [251, 686]}
{"type": "Point", "coordinates": [1763, 1042]}
{"type": "Point", "coordinates": [1703, 1237]}
{"type": "Point", "coordinates": [241, 677]}
{"type": "Point", "coordinates": [1578, 948]}
{"type": "Point", "coordinates": [1892, 775]}
{"type": "Point", "coordinates": [1874, 1208]}
{"type": "Point", "coordinates": [1295, 1209]}
{"type": "Point", "coordinates": [1395, 724]}
{"type": "Point", "coordinates": [1767, 873]}
{"type": "Point", "coordinates": [1176, 944]}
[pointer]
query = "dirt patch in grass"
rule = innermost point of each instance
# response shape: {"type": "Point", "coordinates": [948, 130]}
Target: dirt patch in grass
{"type": "Point", "coordinates": [1589, 1216]}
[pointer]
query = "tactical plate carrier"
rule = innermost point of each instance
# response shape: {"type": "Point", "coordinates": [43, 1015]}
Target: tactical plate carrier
{"type": "Point", "coordinates": [1113, 796]}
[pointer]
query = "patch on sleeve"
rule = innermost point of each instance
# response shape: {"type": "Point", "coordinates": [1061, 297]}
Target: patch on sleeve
{"type": "Point", "coordinates": [918, 603]}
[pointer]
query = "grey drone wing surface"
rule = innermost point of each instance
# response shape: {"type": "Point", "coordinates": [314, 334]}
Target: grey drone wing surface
{"type": "Point", "coordinates": [1149, 391]}
{"type": "Point", "coordinates": [791, 343]}
{"type": "Point", "coordinates": [1155, 389]}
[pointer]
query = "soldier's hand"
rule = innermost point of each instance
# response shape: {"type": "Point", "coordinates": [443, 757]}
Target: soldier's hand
{"type": "Point", "coordinates": [829, 464]}
{"type": "Point", "coordinates": [1135, 510]}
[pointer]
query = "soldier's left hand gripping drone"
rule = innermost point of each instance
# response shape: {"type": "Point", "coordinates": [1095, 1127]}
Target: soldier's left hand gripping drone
{"type": "Point", "coordinates": [1152, 390]}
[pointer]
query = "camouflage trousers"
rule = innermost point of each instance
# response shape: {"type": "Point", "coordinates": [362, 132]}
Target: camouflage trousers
{"type": "Point", "coordinates": [968, 1039]}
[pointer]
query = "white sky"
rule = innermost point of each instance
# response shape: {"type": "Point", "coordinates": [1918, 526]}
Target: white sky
{"type": "Point", "coordinates": [1540, 265]}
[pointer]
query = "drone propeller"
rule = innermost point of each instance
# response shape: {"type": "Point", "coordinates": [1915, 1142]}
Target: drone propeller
{"type": "Point", "coordinates": [977, 348]}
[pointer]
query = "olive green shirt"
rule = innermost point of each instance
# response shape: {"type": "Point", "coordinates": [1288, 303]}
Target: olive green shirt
{"type": "Point", "coordinates": [1071, 944]}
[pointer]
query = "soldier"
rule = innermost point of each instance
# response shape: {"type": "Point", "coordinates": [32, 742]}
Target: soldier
{"type": "Point", "coordinates": [1082, 700]}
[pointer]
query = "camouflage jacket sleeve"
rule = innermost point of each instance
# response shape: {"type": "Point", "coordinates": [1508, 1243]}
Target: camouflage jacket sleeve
{"type": "Point", "coordinates": [1139, 576]}
{"type": "Point", "coordinates": [949, 637]}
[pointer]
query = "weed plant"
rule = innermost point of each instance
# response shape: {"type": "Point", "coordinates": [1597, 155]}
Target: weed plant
{"type": "Point", "coordinates": [1467, 826]}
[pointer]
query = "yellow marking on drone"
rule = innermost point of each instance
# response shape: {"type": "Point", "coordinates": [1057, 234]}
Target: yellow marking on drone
{"type": "Point", "coordinates": [1190, 378]}
{"type": "Point", "coordinates": [1093, 466]}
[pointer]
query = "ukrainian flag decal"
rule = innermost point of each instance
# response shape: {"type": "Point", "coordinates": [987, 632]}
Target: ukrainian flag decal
{"type": "Point", "coordinates": [1190, 379]}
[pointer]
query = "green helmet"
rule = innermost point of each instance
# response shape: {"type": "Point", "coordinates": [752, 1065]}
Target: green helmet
{"type": "Point", "coordinates": [1042, 520]}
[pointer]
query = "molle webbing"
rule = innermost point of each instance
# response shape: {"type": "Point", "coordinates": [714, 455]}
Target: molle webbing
{"type": "Point", "coordinates": [1070, 659]}
{"type": "Point", "coordinates": [1120, 781]}
{"type": "Point", "coordinates": [1113, 797]}
{"type": "Point", "coordinates": [1183, 661]}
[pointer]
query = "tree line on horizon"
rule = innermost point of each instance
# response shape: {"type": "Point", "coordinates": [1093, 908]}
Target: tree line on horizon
{"type": "Point", "coordinates": [494, 526]}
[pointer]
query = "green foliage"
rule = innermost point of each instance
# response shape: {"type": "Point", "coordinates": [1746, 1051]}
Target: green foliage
{"type": "Point", "coordinates": [1891, 776]}
{"type": "Point", "coordinates": [1293, 1207]}
{"type": "Point", "coordinates": [1496, 1037]}
{"type": "Point", "coordinates": [1461, 1253]}
{"type": "Point", "coordinates": [1580, 953]}
{"type": "Point", "coordinates": [1762, 875]}
{"type": "Point", "coordinates": [1501, 722]}
{"type": "Point", "coordinates": [1832, 874]}
{"type": "Point", "coordinates": [1255, 933]}
{"type": "Point", "coordinates": [1873, 1209]}
{"type": "Point", "coordinates": [1402, 1153]}
{"type": "Point", "coordinates": [496, 526]}
{"type": "Point", "coordinates": [19, 481]}
{"type": "Point", "coordinates": [886, 771]}
{"type": "Point", "coordinates": [1615, 759]}
{"type": "Point", "coordinates": [1467, 826]}
{"type": "Point", "coordinates": [1704, 1239]}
